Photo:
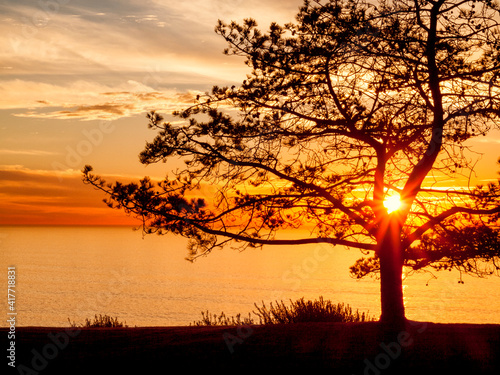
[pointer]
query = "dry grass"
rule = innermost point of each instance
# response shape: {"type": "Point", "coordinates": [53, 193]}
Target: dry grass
{"type": "Point", "coordinates": [101, 321]}
{"type": "Point", "coordinates": [300, 311]}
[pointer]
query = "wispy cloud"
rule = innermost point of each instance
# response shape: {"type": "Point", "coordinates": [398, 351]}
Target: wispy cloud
{"type": "Point", "coordinates": [60, 57]}
{"type": "Point", "coordinates": [487, 140]}
{"type": "Point", "coordinates": [37, 196]}
{"type": "Point", "coordinates": [100, 60]}
{"type": "Point", "coordinates": [88, 101]}
{"type": "Point", "coordinates": [27, 152]}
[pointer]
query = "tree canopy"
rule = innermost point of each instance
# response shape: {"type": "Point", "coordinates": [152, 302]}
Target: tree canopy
{"type": "Point", "coordinates": [352, 103]}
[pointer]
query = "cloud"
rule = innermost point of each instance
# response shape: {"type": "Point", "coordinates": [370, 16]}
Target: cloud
{"type": "Point", "coordinates": [110, 36]}
{"type": "Point", "coordinates": [60, 57]}
{"type": "Point", "coordinates": [30, 196]}
{"type": "Point", "coordinates": [27, 152]}
{"type": "Point", "coordinates": [39, 197]}
{"type": "Point", "coordinates": [486, 140]}
{"type": "Point", "coordinates": [129, 35]}
{"type": "Point", "coordinates": [88, 100]}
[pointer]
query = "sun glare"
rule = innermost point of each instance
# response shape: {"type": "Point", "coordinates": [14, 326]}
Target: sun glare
{"type": "Point", "coordinates": [392, 203]}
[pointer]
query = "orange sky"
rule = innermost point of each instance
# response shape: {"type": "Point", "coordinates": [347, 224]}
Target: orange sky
{"type": "Point", "coordinates": [77, 78]}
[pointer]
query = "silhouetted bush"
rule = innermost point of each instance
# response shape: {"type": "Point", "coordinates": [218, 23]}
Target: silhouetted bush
{"type": "Point", "coordinates": [101, 321]}
{"type": "Point", "coordinates": [300, 311]}
{"type": "Point", "coordinates": [222, 320]}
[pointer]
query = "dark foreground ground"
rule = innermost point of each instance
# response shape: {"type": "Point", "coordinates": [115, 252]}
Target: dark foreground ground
{"type": "Point", "coordinates": [354, 348]}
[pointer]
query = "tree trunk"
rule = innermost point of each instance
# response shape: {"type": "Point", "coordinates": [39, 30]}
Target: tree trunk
{"type": "Point", "coordinates": [391, 270]}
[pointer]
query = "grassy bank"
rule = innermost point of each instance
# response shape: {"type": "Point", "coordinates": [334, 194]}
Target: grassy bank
{"type": "Point", "coordinates": [343, 348]}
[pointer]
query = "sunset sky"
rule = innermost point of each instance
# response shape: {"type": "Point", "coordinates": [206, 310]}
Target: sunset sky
{"type": "Point", "coordinates": [77, 78]}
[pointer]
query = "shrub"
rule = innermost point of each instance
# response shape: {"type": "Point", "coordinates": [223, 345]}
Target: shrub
{"type": "Point", "coordinates": [222, 320]}
{"type": "Point", "coordinates": [300, 311]}
{"type": "Point", "coordinates": [101, 321]}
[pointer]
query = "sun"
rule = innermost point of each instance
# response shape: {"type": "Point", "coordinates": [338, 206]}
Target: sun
{"type": "Point", "coordinates": [392, 203]}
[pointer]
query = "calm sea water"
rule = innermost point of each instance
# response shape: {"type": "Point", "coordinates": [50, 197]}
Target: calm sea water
{"type": "Point", "coordinates": [76, 272]}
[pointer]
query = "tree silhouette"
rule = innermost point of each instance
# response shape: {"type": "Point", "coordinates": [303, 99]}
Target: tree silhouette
{"type": "Point", "coordinates": [351, 104]}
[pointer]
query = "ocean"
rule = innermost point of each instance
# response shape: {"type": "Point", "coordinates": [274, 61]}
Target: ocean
{"type": "Point", "coordinates": [74, 273]}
